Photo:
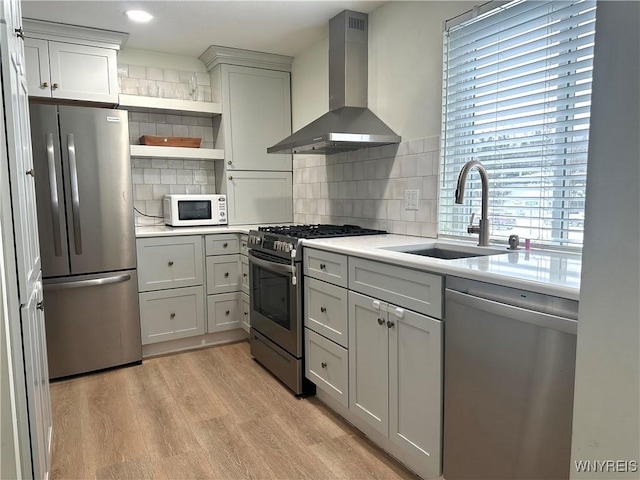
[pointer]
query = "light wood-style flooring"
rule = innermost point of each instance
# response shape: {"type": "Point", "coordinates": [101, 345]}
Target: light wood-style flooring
{"type": "Point", "coordinates": [210, 413]}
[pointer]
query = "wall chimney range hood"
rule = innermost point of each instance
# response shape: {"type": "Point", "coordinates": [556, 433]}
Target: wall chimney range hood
{"type": "Point", "coordinates": [349, 124]}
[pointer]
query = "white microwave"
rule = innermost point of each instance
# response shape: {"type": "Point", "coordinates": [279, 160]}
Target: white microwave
{"type": "Point", "coordinates": [191, 210]}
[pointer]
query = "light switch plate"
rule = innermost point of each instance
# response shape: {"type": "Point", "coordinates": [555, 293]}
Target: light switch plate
{"type": "Point", "coordinates": [411, 199]}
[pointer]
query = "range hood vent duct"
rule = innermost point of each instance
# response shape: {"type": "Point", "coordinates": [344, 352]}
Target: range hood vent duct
{"type": "Point", "coordinates": [349, 124]}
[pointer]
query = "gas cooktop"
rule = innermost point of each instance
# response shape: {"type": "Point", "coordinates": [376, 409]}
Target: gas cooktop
{"type": "Point", "coordinates": [319, 231]}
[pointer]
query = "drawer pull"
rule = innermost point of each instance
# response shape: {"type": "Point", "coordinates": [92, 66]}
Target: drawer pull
{"type": "Point", "coordinates": [390, 324]}
{"type": "Point", "coordinates": [246, 313]}
{"type": "Point", "coordinates": [226, 274]}
{"type": "Point", "coordinates": [323, 266]}
{"type": "Point", "coordinates": [323, 309]}
{"type": "Point", "coordinates": [225, 245]}
{"type": "Point", "coordinates": [31, 172]}
{"type": "Point", "coordinates": [173, 315]}
{"type": "Point", "coordinates": [323, 364]}
{"type": "Point", "coordinates": [244, 275]}
{"type": "Point", "coordinates": [380, 321]}
{"type": "Point", "coordinates": [227, 313]}
{"type": "Point", "coordinates": [45, 84]}
{"type": "Point", "coordinates": [170, 263]}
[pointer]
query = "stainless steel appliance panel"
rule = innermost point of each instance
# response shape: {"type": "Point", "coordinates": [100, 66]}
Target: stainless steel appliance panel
{"type": "Point", "coordinates": [276, 301]}
{"type": "Point", "coordinates": [92, 322]}
{"type": "Point", "coordinates": [508, 384]}
{"type": "Point", "coordinates": [281, 363]}
{"type": "Point", "coordinates": [98, 191]}
{"type": "Point", "coordinates": [47, 165]}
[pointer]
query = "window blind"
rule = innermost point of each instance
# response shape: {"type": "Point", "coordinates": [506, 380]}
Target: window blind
{"type": "Point", "coordinates": [517, 98]}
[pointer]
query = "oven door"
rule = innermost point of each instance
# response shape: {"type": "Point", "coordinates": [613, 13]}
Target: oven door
{"type": "Point", "coordinates": [275, 301]}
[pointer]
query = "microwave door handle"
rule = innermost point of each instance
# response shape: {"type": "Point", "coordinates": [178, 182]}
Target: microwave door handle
{"type": "Point", "coordinates": [75, 193]}
{"type": "Point", "coordinates": [275, 267]}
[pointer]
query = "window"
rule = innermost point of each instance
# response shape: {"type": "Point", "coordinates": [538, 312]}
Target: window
{"type": "Point", "coordinates": [517, 97]}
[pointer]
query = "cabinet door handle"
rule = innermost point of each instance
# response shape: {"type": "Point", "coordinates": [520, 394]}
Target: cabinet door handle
{"type": "Point", "coordinates": [323, 364]}
{"type": "Point", "coordinates": [244, 275]}
{"type": "Point", "coordinates": [226, 274]}
{"type": "Point", "coordinates": [390, 324]}
{"type": "Point", "coordinates": [31, 172]}
{"type": "Point", "coordinates": [323, 309]}
{"type": "Point", "coordinates": [229, 162]}
{"type": "Point", "coordinates": [45, 84]}
{"type": "Point", "coordinates": [230, 177]}
{"type": "Point", "coordinates": [170, 263]}
{"type": "Point", "coordinates": [225, 245]}
{"type": "Point", "coordinates": [173, 315]}
{"type": "Point", "coordinates": [323, 266]}
{"type": "Point", "coordinates": [227, 313]}
{"type": "Point", "coordinates": [19, 33]}
{"type": "Point", "coordinates": [380, 321]}
{"type": "Point", "coordinates": [55, 85]}
{"type": "Point", "coordinates": [40, 305]}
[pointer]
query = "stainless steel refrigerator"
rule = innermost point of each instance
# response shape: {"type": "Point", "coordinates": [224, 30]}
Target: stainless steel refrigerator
{"type": "Point", "coordinates": [87, 238]}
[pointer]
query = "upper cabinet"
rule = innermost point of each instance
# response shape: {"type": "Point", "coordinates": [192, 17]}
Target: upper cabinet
{"type": "Point", "coordinates": [255, 91]}
{"type": "Point", "coordinates": [71, 63]}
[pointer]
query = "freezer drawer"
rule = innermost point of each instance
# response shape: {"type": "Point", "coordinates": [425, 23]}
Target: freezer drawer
{"type": "Point", "coordinates": [92, 322]}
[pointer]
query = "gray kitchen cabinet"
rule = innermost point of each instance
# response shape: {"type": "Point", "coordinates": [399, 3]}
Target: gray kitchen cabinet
{"type": "Point", "coordinates": [244, 274]}
{"type": "Point", "coordinates": [246, 312]}
{"type": "Point", "coordinates": [326, 310]}
{"type": "Point", "coordinates": [224, 312]}
{"type": "Point", "coordinates": [327, 365]}
{"type": "Point", "coordinates": [327, 266]}
{"type": "Point", "coordinates": [169, 262]}
{"type": "Point", "coordinates": [172, 314]}
{"type": "Point", "coordinates": [395, 375]}
{"type": "Point", "coordinates": [256, 196]}
{"type": "Point", "coordinates": [255, 93]}
{"type": "Point", "coordinates": [223, 274]}
{"type": "Point", "coordinates": [71, 63]}
{"type": "Point", "coordinates": [222, 244]}
{"type": "Point", "coordinates": [29, 429]}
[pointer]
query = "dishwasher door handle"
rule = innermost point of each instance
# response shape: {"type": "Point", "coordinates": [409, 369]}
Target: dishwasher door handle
{"type": "Point", "coordinates": [520, 314]}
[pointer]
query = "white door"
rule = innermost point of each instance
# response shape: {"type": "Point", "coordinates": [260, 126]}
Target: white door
{"type": "Point", "coordinates": [36, 53]}
{"type": "Point", "coordinates": [257, 108]}
{"type": "Point", "coordinates": [369, 361]}
{"type": "Point", "coordinates": [81, 72]}
{"type": "Point", "coordinates": [415, 384]}
{"type": "Point", "coordinates": [259, 197]}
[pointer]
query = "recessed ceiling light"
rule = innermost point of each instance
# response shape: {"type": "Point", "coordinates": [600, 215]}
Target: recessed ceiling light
{"type": "Point", "coordinates": [138, 15]}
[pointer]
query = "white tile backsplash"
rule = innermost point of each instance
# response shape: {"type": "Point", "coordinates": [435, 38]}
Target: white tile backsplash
{"type": "Point", "coordinates": [366, 187]}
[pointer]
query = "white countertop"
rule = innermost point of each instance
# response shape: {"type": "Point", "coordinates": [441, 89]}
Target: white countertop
{"type": "Point", "coordinates": [541, 271]}
{"type": "Point", "coordinates": [167, 231]}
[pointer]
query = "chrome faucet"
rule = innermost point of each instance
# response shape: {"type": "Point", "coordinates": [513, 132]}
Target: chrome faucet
{"type": "Point", "coordinates": [483, 228]}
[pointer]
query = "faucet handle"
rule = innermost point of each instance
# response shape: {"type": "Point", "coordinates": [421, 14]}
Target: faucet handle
{"type": "Point", "coordinates": [471, 228]}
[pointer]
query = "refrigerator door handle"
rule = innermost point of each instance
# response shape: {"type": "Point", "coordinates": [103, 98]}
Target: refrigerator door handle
{"type": "Point", "coordinates": [94, 282]}
{"type": "Point", "coordinates": [75, 194]}
{"type": "Point", "coordinates": [53, 188]}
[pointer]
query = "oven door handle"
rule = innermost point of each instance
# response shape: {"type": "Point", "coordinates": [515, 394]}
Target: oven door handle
{"type": "Point", "coordinates": [276, 267]}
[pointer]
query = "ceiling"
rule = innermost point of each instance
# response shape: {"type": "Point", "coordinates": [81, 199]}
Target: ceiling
{"type": "Point", "coordinates": [189, 27]}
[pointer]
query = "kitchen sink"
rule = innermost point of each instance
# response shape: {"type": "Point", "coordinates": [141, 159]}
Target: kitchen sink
{"type": "Point", "coordinates": [446, 251]}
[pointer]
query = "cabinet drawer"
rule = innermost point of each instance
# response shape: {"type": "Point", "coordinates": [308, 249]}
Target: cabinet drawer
{"type": "Point", "coordinates": [222, 244]}
{"type": "Point", "coordinates": [223, 274]}
{"type": "Point", "coordinates": [224, 312]}
{"type": "Point", "coordinates": [171, 314]}
{"type": "Point", "coordinates": [244, 272]}
{"type": "Point", "coordinates": [326, 310]}
{"type": "Point", "coordinates": [412, 289]}
{"type": "Point", "coordinates": [246, 312]}
{"type": "Point", "coordinates": [244, 244]}
{"type": "Point", "coordinates": [327, 365]}
{"type": "Point", "coordinates": [327, 266]}
{"type": "Point", "coordinates": [169, 262]}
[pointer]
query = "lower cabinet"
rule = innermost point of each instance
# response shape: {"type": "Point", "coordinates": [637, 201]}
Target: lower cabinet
{"type": "Point", "coordinates": [246, 312]}
{"type": "Point", "coordinates": [395, 374]}
{"type": "Point", "coordinates": [326, 365]}
{"type": "Point", "coordinates": [224, 312]}
{"type": "Point", "coordinates": [171, 314]}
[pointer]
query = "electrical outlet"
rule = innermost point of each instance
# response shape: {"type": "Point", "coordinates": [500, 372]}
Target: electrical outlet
{"type": "Point", "coordinates": [411, 199]}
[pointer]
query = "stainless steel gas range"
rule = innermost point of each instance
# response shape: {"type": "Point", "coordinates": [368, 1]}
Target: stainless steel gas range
{"type": "Point", "coordinates": [276, 285]}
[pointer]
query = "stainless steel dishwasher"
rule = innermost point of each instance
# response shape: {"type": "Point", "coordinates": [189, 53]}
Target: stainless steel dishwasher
{"type": "Point", "coordinates": [508, 382]}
